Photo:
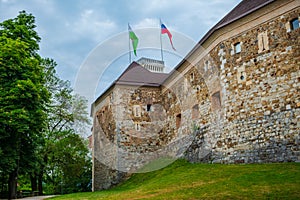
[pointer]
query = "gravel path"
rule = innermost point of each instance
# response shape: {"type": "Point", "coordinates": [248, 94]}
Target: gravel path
{"type": "Point", "coordinates": [38, 197]}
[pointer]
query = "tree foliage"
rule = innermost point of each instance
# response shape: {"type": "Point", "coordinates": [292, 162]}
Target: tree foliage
{"type": "Point", "coordinates": [38, 115]}
{"type": "Point", "coordinates": [23, 96]}
{"type": "Point", "coordinates": [65, 165]}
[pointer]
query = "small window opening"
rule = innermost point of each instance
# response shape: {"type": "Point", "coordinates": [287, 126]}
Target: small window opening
{"type": "Point", "coordinates": [192, 76]}
{"type": "Point", "coordinates": [206, 65]}
{"type": "Point", "coordinates": [169, 95]}
{"type": "Point", "coordinates": [178, 120]}
{"type": "Point", "coordinates": [237, 47]}
{"type": "Point", "coordinates": [242, 76]}
{"type": "Point", "coordinates": [149, 107]}
{"type": "Point", "coordinates": [294, 23]}
{"type": "Point", "coordinates": [137, 126]}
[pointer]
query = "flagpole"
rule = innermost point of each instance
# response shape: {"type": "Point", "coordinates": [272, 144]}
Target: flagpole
{"type": "Point", "coordinates": [161, 51]}
{"type": "Point", "coordinates": [129, 45]}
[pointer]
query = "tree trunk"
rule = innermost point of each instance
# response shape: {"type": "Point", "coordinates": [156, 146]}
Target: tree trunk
{"type": "Point", "coordinates": [12, 184]}
{"type": "Point", "coordinates": [33, 180]}
{"type": "Point", "coordinates": [40, 180]}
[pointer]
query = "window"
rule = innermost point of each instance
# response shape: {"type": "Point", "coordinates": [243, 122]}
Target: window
{"type": "Point", "coordinates": [294, 23]}
{"type": "Point", "coordinates": [169, 95]}
{"type": "Point", "coordinates": [178, 120]}
{"type": "Point", "coordinates": [137, 126]}
{"type": "Point", "coordinates": [237, 47]}
{"type": "Point", "coordinates": [206, 65]}
{"type": "Point", "coordinates": [148, 107]}
{"type": "Point", "coordinates": [192, 76]}
{"type": "Point", "coordinates": [137, 110]}
{"type": "Point", "coordinates": [241, 74]}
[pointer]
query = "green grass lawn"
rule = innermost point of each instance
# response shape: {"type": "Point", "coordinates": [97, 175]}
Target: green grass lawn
{"type": "Point", "coordinates": [183, 180]}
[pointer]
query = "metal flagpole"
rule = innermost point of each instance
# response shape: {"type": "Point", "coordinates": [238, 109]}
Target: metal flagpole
{"type": "Point", "coordinates": [161, 51]}
{"type": "Point", "coordinates": [129, 45]}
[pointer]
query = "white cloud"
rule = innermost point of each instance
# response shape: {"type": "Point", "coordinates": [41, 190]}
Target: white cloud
{"type": "Point", "coordinates": [147, 23]}
{"type": "Point", "coordinates": [93, 26]}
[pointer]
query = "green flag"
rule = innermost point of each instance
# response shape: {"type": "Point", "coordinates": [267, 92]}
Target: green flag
{"type": "Point", "coordinates": [133, 38]}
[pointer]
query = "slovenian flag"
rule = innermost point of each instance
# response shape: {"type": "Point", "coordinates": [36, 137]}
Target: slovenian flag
{"type": "Point", "coordinates": [165, 30]}
{"type": "Point", "coordinates": [133, 38]}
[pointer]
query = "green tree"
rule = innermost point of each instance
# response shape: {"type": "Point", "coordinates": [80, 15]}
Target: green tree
{"type": "Point", "coordinates": [40, 117]}
{"type": "Point", "coordinates": [23, 97]}
{"type": "Point", "coordinates": [69, 167]}
{"type": "Point", "coordinates": [63, 155]}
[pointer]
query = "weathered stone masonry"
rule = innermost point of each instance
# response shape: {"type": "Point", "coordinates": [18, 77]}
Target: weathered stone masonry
{"type": "Point", "coordinates": [235, 98]}
{"type": "Point", "coordinates": [259, 94]}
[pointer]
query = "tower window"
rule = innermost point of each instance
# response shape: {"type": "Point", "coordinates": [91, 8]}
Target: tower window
{"type": "Point", "coordinates": [294, 23]}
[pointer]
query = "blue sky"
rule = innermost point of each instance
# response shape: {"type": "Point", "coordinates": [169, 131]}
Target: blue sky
{"type": "Point", "coordinates": [88, 38]}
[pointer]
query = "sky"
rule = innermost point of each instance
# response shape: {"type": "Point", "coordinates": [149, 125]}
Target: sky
{"type": "Point", "coordinates": [89, 39]}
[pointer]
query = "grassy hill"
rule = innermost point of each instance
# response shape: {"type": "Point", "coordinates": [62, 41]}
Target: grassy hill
{"type": "Point", "coordinates": [183, 180]}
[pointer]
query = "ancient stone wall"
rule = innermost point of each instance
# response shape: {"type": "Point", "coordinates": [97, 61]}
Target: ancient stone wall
{"type": "Point", "coordinates": [239, 102]}
{"type": "Point", "coordinates": [105, 174]}
{"type": "Point", "coordinates": [260, 97]}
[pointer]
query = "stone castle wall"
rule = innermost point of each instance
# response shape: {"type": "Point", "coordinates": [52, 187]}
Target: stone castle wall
{"type": "Point", "coordinates": [259, 96]}
{"type": "Point", "coordinates": [224, 105]}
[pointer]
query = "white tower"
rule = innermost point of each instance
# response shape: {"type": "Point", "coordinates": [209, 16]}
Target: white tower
{"type": "Point", "coordinates": [152, 65]}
